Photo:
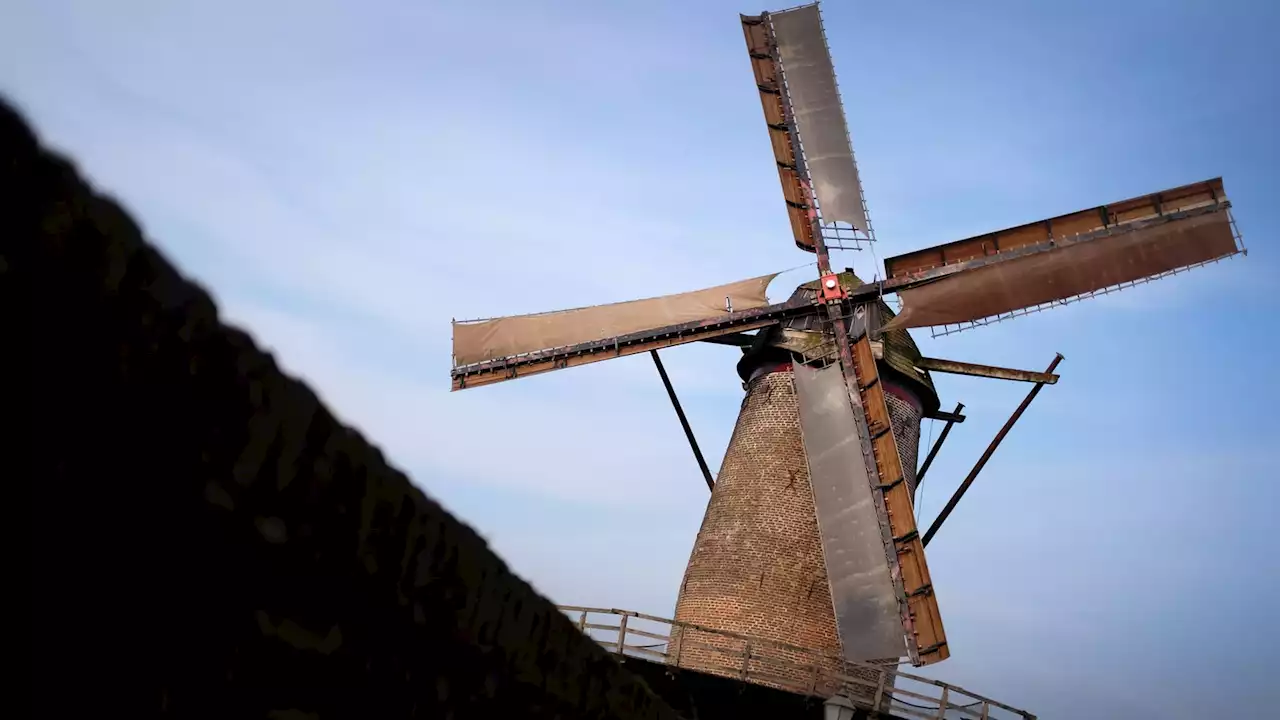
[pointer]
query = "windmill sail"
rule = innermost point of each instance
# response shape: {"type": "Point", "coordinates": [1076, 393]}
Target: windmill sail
{"type": "Point", "coordinates": [867, 610]}
{"type": "Point", "coordinates": [810, 91]}
{"type": "Point", "coordinates": [769, 83]}
{"type": "Point", "coordinates": [807, 130]}
{"type": "Point", "coordinates": [481, 340]}
{"type": "Point", "coordinates": [1064, 257]}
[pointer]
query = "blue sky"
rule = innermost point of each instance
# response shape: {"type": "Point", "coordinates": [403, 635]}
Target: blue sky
{"type": "Point", "coordinates": [347, 177]}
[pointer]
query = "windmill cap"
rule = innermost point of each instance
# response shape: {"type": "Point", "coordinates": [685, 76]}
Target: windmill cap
{"type": "Point", "coordinates": [900, 350]}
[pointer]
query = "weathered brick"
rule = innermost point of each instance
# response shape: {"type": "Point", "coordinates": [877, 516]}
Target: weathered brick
{"type": "Point", "coordinates": [904, 414]}
{"type": "Point", "coordinates": [757, 566]}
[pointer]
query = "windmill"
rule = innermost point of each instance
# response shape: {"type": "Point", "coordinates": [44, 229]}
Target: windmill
{"type": "Point", "coordinates": [809, 537]}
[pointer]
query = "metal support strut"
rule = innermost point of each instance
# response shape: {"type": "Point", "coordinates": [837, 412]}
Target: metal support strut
{"type": "Point", "coordinates": [937, 445]}
{"type": "Point", "coordinates": [982, 461]}
{"type": "Point", "coordinates": [684, 422]}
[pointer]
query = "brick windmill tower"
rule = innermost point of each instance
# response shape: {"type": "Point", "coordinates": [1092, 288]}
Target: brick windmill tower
{"type": "Point", "coordinates": [809, 539]}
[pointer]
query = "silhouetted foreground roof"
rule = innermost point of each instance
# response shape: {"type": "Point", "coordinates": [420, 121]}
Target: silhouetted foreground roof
{"type": "Point", "coordinates": [207, 540]}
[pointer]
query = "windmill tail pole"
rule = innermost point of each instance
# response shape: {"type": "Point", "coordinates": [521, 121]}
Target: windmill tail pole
{"type": "Point", "coordinates": [982, 461]}
{"type": "Point", "coordinates": [684, 422]}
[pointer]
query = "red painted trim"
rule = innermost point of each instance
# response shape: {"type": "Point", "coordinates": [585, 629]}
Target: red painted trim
{"type": "Point", "coordinates": [903, 394]}
{"type": "Point", "coordinates": [769, 369]}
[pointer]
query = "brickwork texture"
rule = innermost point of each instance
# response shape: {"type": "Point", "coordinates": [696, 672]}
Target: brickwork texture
{"type": "Point", "coordinates": [757, 566]}
{"type": "Point", "coordinates": [904, 415]}
{"type": "Point", "coordinates": [206, 539]}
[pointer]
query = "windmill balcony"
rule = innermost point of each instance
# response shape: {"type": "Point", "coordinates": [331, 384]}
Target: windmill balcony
{"type": "Point", "coordinates": [864, 687]}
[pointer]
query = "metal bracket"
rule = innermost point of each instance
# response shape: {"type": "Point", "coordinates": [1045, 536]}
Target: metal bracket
{"type": "Point", "coordinates": [830, 289]}
{"type": "Point", "coordinates": [886, 487]}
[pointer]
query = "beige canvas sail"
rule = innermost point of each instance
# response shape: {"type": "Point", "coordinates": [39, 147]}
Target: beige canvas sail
{"type": "Point", "coordinates": [481, 340]}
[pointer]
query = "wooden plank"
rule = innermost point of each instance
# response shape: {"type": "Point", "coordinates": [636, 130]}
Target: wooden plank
{"type": "Point", "coordinates": [734, 339]}
{"type": "Point", "coordinates": [1062, 226]}
{"type": "Point", "coordinates": [647, 634]}
{"type": "Point", "coordinates": [951, 417]}
{"type": "Point", "coordinates": [1119, 255]}
{"type": "Point", "coordinates": [1076, 223]}
{"type": "Point", "coordinates": [955, 367]}
{"type": "Point", "coordinates": [804, 659]}
{"type": "Point", "coordinates": [930, 638]}
{"type": "Point", "coordinates": [507, 368]}
{"type": "Point", "coordinates": [645, 651]}
{"type": "Point", "coordinates": [491, 377]}
{"type": "Point", "coordinates": [1023, 236]}
{"type": "Point", "coordinates": [764, 68]}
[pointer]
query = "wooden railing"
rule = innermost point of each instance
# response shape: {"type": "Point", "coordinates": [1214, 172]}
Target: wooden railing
{"type": "Point", "coordinates": [788, 667]}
